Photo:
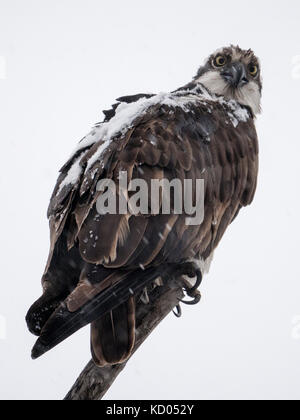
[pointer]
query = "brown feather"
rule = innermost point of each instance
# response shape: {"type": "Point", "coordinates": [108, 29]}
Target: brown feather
{"type": "Point", "coordinates": [163, 143]}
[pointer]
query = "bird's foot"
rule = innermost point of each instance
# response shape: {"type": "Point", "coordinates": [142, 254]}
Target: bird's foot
{"type": "Point", "coordinates": [190, 270]}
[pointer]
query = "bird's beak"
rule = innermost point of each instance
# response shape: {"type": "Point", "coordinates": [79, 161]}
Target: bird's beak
{"type": "Point", "coordinates": [236, 75]}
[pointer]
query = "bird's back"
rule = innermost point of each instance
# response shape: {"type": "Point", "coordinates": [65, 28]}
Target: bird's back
{"type": "Point", "coordinates": [185, 135]}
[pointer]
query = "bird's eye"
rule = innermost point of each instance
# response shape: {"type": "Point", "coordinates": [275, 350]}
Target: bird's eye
{"type": "Point", "coordinates": [253, 70]}
{"type": "Point", "coordinates": [220, 61]}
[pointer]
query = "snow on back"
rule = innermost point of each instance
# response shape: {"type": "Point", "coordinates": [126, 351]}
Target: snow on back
{"type": "Point", "coordinates": [72, 176]}
{"type": "Point", "coordinates": [241, 114]}
{"type": "Point", "coordinates": [237, 113]}
{"type": "Point", "coordinates": [127, 113]}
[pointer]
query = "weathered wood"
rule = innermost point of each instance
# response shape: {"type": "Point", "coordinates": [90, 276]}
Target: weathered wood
{"type": "Point", "coordinates": [94, 382]}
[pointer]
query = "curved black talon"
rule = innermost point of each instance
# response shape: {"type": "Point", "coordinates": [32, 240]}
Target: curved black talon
{"type": "Point", "coordinates": [198, 282]}
{"type": "Point", "coordinates": [178, 313]}
{"type": "Point", "coordinates": [196, 300]}
{"type": "Point", "coordinates": [191, 270]}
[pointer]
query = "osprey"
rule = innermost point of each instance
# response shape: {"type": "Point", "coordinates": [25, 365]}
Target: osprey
{"type": "Point", "coordinates": [100, 264]}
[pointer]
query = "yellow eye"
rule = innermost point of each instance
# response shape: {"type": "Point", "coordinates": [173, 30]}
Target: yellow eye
{"type": "Point", "coordinates": [253, 70]}
{"type": "Point", "coordinates": [220, 61]}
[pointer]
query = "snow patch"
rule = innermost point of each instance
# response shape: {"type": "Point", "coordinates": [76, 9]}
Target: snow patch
{"type": "Point", "coordinates": [127, 113]}
{"type": "Point", "coordinates": [238, 114]}
{"type": "Point", "coordinates": [73, 175]}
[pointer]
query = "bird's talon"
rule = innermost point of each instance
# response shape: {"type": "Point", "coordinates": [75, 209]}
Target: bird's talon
{"type": "Point", "coordinates": [196, 300]}
{"type": "Point", "coordinates": [178, 311]}
{"type": "Point", "coordinates": [193, 289]}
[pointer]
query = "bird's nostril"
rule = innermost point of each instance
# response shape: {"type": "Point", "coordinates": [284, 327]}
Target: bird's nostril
{"type": "Point", "coordinates": [244, 81]}
{"type": "Point", "coordinates": [227, 75]}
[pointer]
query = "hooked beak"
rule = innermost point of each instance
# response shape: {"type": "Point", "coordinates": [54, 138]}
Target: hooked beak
{"type": "Point", "coordinates": [235, 75]}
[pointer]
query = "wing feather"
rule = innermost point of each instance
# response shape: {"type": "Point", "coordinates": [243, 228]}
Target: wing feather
{"type": "Point", "coordinates": [227, 163]}
{"type": "Point", "coordinates": [198, 141]}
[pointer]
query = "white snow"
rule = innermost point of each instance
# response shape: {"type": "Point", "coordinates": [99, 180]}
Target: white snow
{"type": "Point", "coordinates": [73, 174]}
{"type": "Point", "coordinates": [127, 113]}
{"type": "Point", "coordinates": [238, 114]}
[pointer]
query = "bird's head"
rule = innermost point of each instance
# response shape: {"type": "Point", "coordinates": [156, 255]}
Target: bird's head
{"type": "Point", "coordinates": [235, 74]}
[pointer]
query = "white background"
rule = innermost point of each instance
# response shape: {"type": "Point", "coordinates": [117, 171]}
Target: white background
{"type": "Point", "coordinates": [62, 62]}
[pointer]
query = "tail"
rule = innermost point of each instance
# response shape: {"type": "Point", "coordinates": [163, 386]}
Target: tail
{"type": "Point", "coordinates": [111, 313]}
{"type": "Point", "coordinates": [113, 335]}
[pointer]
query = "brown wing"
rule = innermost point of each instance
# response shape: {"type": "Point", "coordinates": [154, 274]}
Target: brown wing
{"type": "Point", "coordinates": [162, 144]}
{"type": "Point", "coordinates": [201, 143]}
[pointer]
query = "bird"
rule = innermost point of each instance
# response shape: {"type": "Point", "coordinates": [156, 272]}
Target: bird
{"type": "Point", "coordinates": [100, 263]}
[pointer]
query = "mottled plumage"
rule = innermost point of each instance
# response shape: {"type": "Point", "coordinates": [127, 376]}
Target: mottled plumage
{"type": "Point", "coordinates": [188, 134]}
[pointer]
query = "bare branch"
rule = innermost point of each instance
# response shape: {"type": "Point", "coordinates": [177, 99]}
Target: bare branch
{"type": "Point", "coordinates": [94, 382]}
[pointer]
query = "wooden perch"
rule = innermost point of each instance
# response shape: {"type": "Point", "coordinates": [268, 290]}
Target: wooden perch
{"type": "Point", "coordinates": [94, 382]}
